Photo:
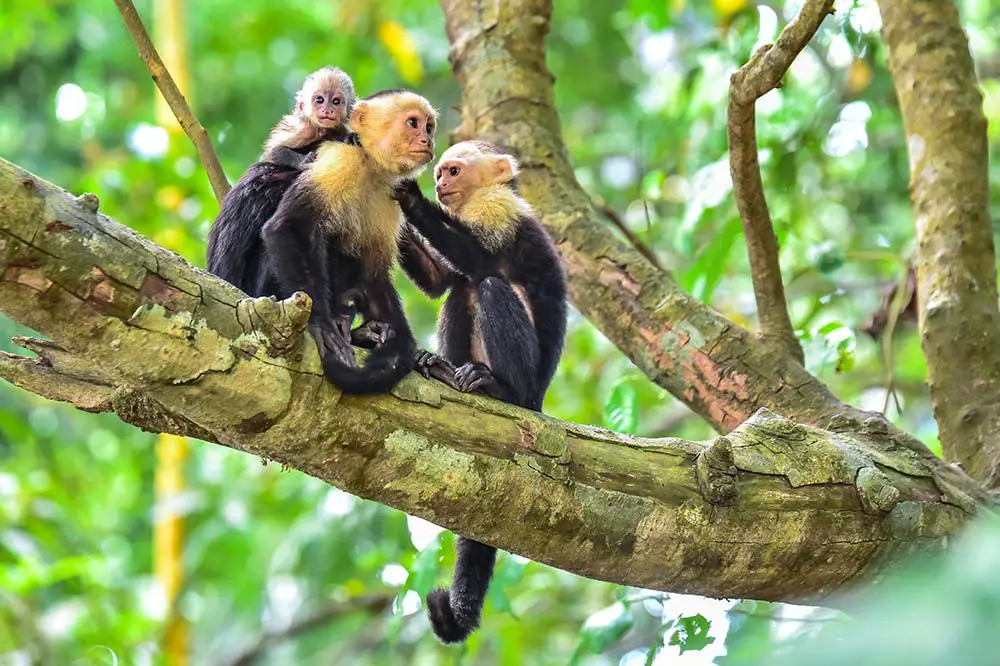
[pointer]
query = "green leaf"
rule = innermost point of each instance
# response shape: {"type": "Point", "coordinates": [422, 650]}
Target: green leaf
{"type": "Point", "coordinates": [620, 411]}
{"type": "Point", "coordinates": [423, 572]}
{"type": "Point", "coordinates": [692, 633]}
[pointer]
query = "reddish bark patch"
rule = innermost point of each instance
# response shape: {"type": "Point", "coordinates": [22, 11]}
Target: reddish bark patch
{"type": "Point", "coordinates": [525, 437]}
{"type": "Point", "coordinates": [32, 277]}
{"type": "Point", "coordinates": [57, 225]}
{"type": "Point", "coordinates": [25, 262]}
{"type": "Point", "coordinates": [159, 291]}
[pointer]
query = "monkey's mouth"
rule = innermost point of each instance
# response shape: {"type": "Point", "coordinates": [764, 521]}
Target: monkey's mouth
{"type": "Point", "coordinates": [328, 121]}
{"type": "Point", "coordinates": [423, 155]}
{"type": "Point", "coordinates": [443, 197]}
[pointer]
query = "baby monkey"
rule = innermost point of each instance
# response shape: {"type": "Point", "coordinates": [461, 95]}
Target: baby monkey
{"type": "Point", "coordinates": [503, 323]}
{"type": "Point", "coordinates": [235, 251]}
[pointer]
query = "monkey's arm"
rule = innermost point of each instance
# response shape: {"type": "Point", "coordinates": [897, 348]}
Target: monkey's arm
{"type": "Point", "coordinates": [288, 157]}
{"type": "Point", "coordinates": [297, 249]}
{"type": "Point", "coordinates": [427, 271]}
{"type": "Point", "coordinates": [459, 248]}
{"type": "Point", "coordinates": [511, 345]}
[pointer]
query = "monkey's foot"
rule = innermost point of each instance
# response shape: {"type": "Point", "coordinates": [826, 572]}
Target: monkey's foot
{"type": "Point", "coordinates": [372, 334]}
{"type": "Point", "coordinates": [473, 376]}
{"type": "Point", "coordinates": [333, 343]}
{"type": "Point", "coordinates": [431, 365]}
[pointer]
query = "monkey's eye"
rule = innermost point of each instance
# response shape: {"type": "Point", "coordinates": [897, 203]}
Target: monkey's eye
{"type": "Point", "coordinates": [454, 171]}
{"type": "Point", "coordinates": [430, 128]}
{"type": "Point", "coordinates": [412, 122]}
{"type": "Point", "coordinates": [319, 99]}
{"type": "Point", "coordinates": [336, 101]}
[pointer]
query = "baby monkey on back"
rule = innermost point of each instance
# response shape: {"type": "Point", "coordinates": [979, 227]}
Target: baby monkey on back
{"type": "Point", "coordinates": [235, 251]}
{"type": "Point", "coordinates": [503, 323]}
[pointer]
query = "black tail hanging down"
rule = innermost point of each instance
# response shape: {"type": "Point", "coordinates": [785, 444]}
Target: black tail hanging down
{"type": "Point", "coordinates": [455, 613]}
{"type": "Point", "coordinates": [383, 369]}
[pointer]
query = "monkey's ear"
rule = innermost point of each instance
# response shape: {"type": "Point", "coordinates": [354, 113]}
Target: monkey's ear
{"type": "Point", "coordinates": [505, 168]}
{"type": "Point", "coordinates": [359, 114]}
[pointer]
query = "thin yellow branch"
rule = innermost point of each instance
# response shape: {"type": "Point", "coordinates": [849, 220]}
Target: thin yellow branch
{"type": "Point", "coordinates": [165, 83]}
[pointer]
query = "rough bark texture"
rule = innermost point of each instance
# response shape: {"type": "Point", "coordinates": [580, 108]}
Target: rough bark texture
{"type": "Point", "coordinates": [942, 111]}
{"type": "Point", "coordinates": [774, 510]}
{"type": "Point", "coordinates": [748, 84]}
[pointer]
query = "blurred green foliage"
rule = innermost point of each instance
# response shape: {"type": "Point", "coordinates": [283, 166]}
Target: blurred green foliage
{"type": "Point", "coordinates": [641, 89]}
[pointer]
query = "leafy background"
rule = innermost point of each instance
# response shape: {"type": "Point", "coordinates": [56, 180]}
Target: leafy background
{"type": "Point", "coordinates": [641, 91]}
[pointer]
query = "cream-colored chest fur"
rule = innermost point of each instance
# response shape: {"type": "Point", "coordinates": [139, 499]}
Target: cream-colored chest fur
{"type": "Point", "coordinates": [359, 206]}
{"type": "Point", "coordinates": [492, 214]}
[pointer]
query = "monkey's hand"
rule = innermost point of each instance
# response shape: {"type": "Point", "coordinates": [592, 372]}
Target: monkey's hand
{"type": "Point", "coordinates": [407, 192]}
{"type": "Point", "coordinates": [431, 365]}
{"type": "Point", "coordinates": [473, 376]}
{"type": "Point", "coordinates": [372, 334]}
{"type": "Point", "coordinates": [353, 139]}
{"type": "Point", "coordinates": [333, 339]}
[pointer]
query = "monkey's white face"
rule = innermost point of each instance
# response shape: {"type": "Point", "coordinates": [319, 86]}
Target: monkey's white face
{"type": "Point", "coordinates": [465, 168]}
{"type": "Point", "coordinates": [328, 106]}
{"type": "Point", "coordinates": [398, 130]}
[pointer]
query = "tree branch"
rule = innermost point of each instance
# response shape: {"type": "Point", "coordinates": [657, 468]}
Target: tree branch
{"type": "Point", "coordinates": [774, 510]}
{"type": "Point", "coordinates": [616, 219]}
{"type": "Point", "coordinates": [199, 137]}
{"type": "Point", "coordinates": [751, 82]}
{"type": "Point", "coordinates": [941, 103]}
{"type": "Point", "coordinates": [371, 604]}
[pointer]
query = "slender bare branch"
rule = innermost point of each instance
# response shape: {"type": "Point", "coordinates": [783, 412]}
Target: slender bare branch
{"type": "Point", "coordinates": [751, 82]}
{"type": "Point", "coordinates": [636, 242]}
{"type": "Point", "coordinates": [165, 83]}
{"type": "Point", "coordinates": [773, 510]}
{"type": "Point", "coordinates": [375, 603]}
{"type": "Point", "coordinates": [941, 104]}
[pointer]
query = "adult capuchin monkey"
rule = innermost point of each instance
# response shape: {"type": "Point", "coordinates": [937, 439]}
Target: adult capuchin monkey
{"type": "Point", "coordinates": [322, 108]}
{"type": "Point", "coordinates": [335, 236]}
{"type": "Point", "coordinates": [503, 323]}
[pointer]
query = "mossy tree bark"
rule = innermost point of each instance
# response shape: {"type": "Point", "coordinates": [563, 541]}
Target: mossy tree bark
{"type": "Point", "coordinates": [939, 97]}
{"type": "Point", "coordinates": [774, 510]}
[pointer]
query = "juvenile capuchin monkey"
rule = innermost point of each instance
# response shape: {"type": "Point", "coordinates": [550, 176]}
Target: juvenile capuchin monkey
{"type": "Point", "coordinates": [335, 236]}
{"type": "Point", "coordinates": [321, 110]}
{"type": "Point", "coordinates": [503, 323]}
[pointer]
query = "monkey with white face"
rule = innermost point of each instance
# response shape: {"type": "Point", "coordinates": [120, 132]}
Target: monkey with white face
{"type": "Point", "coordinates": [235, 251]}
{"type": "Point", "coordinates": [503, 323]}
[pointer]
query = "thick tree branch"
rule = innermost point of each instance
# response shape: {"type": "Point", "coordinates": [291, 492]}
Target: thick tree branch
{"type": "Point", "coordinates": [774, 510]}
{"type": "Point", "coordinates": [199, 137]}
{"type": "Point", "coordinates": [751, 82]}
{"type": "Point", "coordinates": [706, 361]}
{"type": "Point", "coordinates": [942, 111]}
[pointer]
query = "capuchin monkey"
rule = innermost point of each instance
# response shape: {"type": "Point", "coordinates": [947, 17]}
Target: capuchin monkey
{"type": "Point", "coordinates": [503, 324]}
{"type": "Point", "coordinates": [322, 108]}
{"type": "Point", "coordinates": [335, 236]}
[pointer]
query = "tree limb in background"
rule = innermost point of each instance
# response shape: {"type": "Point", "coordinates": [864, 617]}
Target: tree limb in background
{"type": "Point", "coordinates": [751, 82]}
{"type": "Point", "coordinates": [636, 242]}
{"type": "Point", "coordinates": [942, 110]}
{"type": "Point", "coordinates": [373, 604]}
{"type": "Point", "coordinates": [199, 137]}
{"type": "Point", "coordinates": [775, 510]}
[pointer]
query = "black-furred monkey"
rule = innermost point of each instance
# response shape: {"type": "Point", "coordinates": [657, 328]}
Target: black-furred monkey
{"type": "Point", "coordinates": [335, 236]}
{"type": "Point", "coordinates": [235, 250]}
{"type": "Point", "coordinates": [503, 324]}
